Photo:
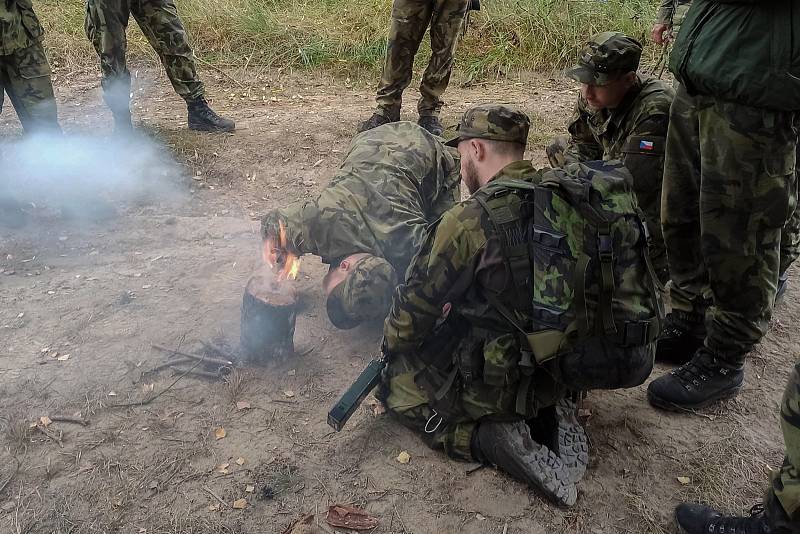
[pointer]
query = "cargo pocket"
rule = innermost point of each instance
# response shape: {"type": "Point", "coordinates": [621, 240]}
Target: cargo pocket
{"type": "Point", "coordinates": [34, 64]}
{"type": "Point", "coordinates": [500, 361]}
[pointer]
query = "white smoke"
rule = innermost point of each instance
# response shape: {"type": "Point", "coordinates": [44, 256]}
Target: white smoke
{"type": "Point", "coordinates": [79, 174]}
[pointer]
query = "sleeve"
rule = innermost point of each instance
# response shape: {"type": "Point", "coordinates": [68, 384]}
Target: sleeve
{"type": "Point", "coordinates": [291, 220]}
{"type": "Point", "coordinates": [442, 272]}
{"type": "Point", "coordinates": [643, 156]}
{"type": "Point", "coordinates": [665, 12]}
{"type": "Point", "coordinates": [582, 146]}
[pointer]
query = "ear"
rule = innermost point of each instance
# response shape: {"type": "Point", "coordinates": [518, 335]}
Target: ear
{"type": "Point", "coordinates": [630, 78]}
{"type": "Point", "coordinates": [479, 149]}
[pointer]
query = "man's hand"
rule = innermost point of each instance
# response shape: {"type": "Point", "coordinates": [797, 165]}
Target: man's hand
{"type": "Point", "coordinates": [659, 34]}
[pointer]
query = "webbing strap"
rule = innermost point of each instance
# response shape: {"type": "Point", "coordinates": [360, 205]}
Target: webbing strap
{"type": "Point", "coordinates": [605, 252]}
{"type": "Point", "coordinates": [523, 392]}
{"type": "Point", "coordinates": [581, 314]}
{"type": "Point", "coordinates": [656, 288]}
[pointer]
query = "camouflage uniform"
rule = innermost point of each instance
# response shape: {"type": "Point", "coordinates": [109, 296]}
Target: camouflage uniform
{"type": "Point", "coordinates": [410, 19]}
{"type": "Point", "coordinates": [395, 180]}
{"type": "Point", "coordinates": [672, 13]}
{"type": "Point", "coordinates": [634, 132]}
{"type": "Point", "coordinates": [106, 23]}
{"type": "Point", "coordinates": [24, 71]}
{"type": "Point", "coordinates": [463, 263]}
{"type": "Point", "coordinates": [786, 481]}
{"type": "Point", "coordinates": [723, 225]}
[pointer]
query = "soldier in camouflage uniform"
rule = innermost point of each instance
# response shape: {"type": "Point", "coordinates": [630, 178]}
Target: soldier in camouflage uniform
{"type": "Point", "coordinates": [668, 20]}
{"type": "Point", "coordinates": [455, 368]}
{"type": "Point", "coordinates": [410, 19]}
{"type": "Point", "coordinates": [620, 115]}
{"type": "Point", "coordinates": [372, 217]}
{"type": "Point", "coordinates": [106, 23]}
{"type": "Point", "coordinates": [24, 71]}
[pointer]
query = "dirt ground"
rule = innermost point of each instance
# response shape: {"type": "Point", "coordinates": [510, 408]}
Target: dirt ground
{"type": "Point", "coordinates": [171, 272]}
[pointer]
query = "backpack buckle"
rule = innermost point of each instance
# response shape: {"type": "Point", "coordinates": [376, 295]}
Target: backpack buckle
{"type": "Point", "coordinates": [635, 333]}
{"type": "Point", "coordinates": [605, 247]}
{"type": "Point", "coordinates": [526, 362]}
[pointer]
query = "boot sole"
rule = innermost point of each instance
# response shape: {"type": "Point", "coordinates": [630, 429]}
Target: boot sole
{"type": "Point", "coordinates": [573, 445]}
{"type": "Point", "coordinates": [658, 402]}
{"type": "Point", "coordinates": [560, 489]}
{"type": "Point", "coordinates": [200, 128]}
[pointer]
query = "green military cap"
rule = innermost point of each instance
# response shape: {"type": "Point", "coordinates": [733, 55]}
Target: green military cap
{"type": "Point", "coordinates": [365, 294]}
{"type": "Point", "coordinates": [492, 121]}
{"type": "Point", "coordinates": [604, 57]}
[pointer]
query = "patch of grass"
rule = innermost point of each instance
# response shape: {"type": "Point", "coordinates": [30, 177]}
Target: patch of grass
{"type": "Point", "coordinates": [350, 37]}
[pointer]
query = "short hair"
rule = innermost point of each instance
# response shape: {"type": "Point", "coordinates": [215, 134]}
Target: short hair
{"type": "Point", "coordinates": [505, 148]}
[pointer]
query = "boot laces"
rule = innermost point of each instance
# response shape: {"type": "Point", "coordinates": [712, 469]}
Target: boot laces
{"type": "Point", "coordinates": [754, 524]}
{"type": "Point", "coordinates": [693, 373]}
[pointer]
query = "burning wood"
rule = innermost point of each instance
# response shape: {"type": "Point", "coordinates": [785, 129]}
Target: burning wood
{"type": "Point", "coordinates": [269, 304]}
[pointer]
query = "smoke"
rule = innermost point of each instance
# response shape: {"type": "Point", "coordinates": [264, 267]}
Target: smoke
{"type": "Point", "coordinates": [86, 177]}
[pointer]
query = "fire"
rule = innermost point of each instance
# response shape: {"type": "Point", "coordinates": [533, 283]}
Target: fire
{"type": "Point", "coordinates": [278, 258]}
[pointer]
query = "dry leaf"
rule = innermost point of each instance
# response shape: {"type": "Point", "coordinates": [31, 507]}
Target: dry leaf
{"type": "Point", "coordinates": [403, 457]}
{"type": "Point", "coordinates": [63, 358]}
{"type": "Point", "coordinates": [148, 387]}
{"type": "Point", "coordinates": [249, 488]}
{"type": "Point", "coordinates": [213, 507]}
{"type": "Point", "coordinates": [220, 433]}
{"type": "Point", "coordinates": [45, 421]}
{"type": "Point", "coordinates": [240, 461]}
{"type": "Point", "coordinates": [240, 504]}
{"type": "Point", "coordinates": [243, 405]}
{"type": "Point", "coordinates": [480, 517]}
{"type": "Point", "coordinates": [684, 480]}
{"type": "Point", "coordinates": [289, 393]}
{"type": "Point", "coordinates": [376, 407]}
{"type": "Point", "coordinates": [342, 516]}
{"type": "Point", "coordinates": [223, 468]}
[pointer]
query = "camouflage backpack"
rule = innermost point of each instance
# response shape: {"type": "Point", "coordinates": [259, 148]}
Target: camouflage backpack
{"type": "Point", "coordinates": [577, 243]}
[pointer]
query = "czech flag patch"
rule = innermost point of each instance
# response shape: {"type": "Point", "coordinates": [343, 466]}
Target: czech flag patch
{"type": "Point", "coordinates": [645, 145]}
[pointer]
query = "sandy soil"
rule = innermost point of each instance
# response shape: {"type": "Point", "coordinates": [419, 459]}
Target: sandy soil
{"type": "Point", "coordinates": [171, 272]}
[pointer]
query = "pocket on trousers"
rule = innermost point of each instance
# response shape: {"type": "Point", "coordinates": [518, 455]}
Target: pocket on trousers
{"type": "Point", "coordinates": [35, 67]}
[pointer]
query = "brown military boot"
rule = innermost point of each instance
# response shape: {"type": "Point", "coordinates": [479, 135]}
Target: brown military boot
{"type": "Point", "coordinates": [509, 446]}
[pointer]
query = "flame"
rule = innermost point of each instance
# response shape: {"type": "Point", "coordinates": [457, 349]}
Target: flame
{"type": "Point", "coordinates": [278, 258]}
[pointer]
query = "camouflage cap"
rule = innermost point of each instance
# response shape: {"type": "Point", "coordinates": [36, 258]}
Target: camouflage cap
{"type": "Point", "coordinates": [365, 294]}
{"type": "Point", "coordinates": [604, 57]}
{"type": "Point", "coordinates": [492, 121]}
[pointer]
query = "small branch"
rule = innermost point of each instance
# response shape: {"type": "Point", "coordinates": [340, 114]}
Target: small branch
{"type": "Point", "coordinates": [151, 399]}
{"type": "Point", "coordinates": [69, 419]}
{"type": "Point", "coordinates": [206, 359]}
{"type": "Point", "coordinates": [231, 78]}
{"type": "Point", "coordinates": [217, 497]}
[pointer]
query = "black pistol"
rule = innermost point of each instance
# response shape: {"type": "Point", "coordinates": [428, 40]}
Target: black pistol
{"type": "Point", "coordinates": [351, 399]}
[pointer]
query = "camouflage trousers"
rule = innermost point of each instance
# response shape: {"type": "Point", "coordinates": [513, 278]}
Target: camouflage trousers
{"type": "Point", "coordinates": [785, 487]}
{"type": "Point", "coordinates": [106, 23]}
{"type": "Point", "coordinates": [729, 190]}
{"type": "Point", "coordinates": [649, 203]}
{"type": "Point", "coordinates": [25, 77]}
{"type": "Point", "coordinates": [410, 19]}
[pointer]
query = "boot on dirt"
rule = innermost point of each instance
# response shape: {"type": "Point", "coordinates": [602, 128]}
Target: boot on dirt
{"type": "Point", "coordinates": [696, 384]}
{"type": "Point", "coordinates": [557, 428]}
{"type": "Point", "coordinates": [508, 445]}
{"type": "Point", "coordinates": [699, 519]}
{"type": "Point", "coordinates": [202, 118]}
{"type": "Point", "coordinates": [376, 120]}
{"type": "Point", "coordinates": [681, 337]}
{"type": "Point", "coordinates": [432, 124]}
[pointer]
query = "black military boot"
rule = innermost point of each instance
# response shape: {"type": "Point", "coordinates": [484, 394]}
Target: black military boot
{"type": "Point", "coordinates": [557, 428]}
{"type": "Point", "coordinates": [432, 124]}
{"type": "Point", "coordinates": [681, 337]}
{"type": "Point", "coordinates": [508, 445]}
{"type": "Point", "coordinates": [699, 519]}
{"type": "Point", "coordinates": [202, 118]}
{"type": "Point", "coordinates": [376, 120]}
{"type": "Point", "coordinates": [695, 384]}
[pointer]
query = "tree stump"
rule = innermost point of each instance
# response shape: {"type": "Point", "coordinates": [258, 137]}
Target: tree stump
{"type": "Point", "coordinates": [269, 309]}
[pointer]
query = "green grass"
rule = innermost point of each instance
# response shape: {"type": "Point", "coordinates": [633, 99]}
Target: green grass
{"type": "Point", "coordinates": [349, 36]}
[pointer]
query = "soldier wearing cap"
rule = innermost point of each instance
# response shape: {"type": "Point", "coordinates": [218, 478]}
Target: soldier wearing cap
{"type": "Point", "coordinates": [620, 115]}
{"type": "Point", "coordinates": [371, 219]}
{"type": "Point", "coordinates": [443, 314]}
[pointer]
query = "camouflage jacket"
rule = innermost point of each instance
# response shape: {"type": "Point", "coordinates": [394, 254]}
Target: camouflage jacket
{"type": "Point", "coordinates": [460, 261]}
{"type": "Point", "coordinates": [19, 26]}
{"type": "Point", "coordinates": [395, 181]}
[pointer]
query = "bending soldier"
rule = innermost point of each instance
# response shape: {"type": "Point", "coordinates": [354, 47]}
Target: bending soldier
{"type": "Point", "coordinates": [106, 23]}
{"type": "Point", "coordinates": [371, 219]}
